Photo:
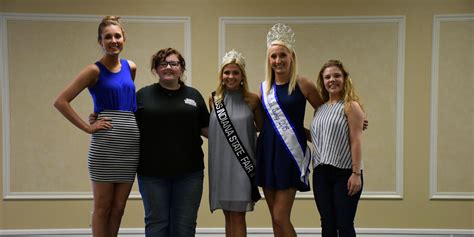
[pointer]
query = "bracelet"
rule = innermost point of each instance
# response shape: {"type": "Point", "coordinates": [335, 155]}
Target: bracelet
{"type": "Point", "coordinates": [358, 174]}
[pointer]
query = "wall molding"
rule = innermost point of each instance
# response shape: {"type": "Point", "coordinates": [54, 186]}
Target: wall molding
{"type": "Point", "coordinates": [4, 83]}
{"type": "Point", "coordinates": [434, 193]}
{"type": "Point", "coordinates": [400, 21]}
{"type": "Point", "coordinates": [255, 232]}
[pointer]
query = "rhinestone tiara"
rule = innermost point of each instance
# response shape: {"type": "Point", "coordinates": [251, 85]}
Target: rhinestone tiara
{"type": "Point", "coordinates": [231, 55]}
{"type": "Point", "coordinates": [283, 33]}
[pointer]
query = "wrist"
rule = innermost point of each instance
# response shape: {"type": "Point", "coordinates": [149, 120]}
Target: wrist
{"type": "Point", "coordinates": [357, 173]}
{"type": "Point", "coordinates": [89, 129]}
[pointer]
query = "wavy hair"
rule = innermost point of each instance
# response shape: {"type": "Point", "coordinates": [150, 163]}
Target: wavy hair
{"type": "Point", "coordinates": [348, 92]}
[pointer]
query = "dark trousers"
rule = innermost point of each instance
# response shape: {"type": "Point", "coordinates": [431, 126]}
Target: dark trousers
{"type": "Point", "coordinates": [336, 208]}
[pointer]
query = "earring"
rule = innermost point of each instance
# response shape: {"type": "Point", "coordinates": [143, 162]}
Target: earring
{"type": "Point", "coordinates": [241, 83]}
{"type": "Point", "coordinates": [223, 83]}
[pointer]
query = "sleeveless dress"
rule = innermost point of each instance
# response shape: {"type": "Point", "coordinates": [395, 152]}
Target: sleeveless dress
{"type": "Point", "coordinates": [229, 185]}
{"type": "Point", "coordinates": [276, 169]}
{"type": "Point", "coordinates": [113, 153]}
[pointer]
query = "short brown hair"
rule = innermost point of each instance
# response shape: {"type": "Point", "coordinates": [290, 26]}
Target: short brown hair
{"type": "Point", "coordinates": [162, 54]}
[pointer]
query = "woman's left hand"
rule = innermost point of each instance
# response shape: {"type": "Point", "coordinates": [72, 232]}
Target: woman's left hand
{"type": "Point", "coordinates": [354, 184]}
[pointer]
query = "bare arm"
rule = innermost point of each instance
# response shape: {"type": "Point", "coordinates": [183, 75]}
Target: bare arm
{"type": "Point", "coordinates": [86, 77]}
{"type": "Point", "coordinates": [211, 103]}
{"type": "Point", "coordinates": [205, 132]}
{"type": "Point", "coordinates": [307, 133]}
{"type": "Point", "coordinates": [256, 108]}
{"type": "Point", "coordinates": [133, 69]}
{"type": "Point", "coordinates": [309, 91]}
{"type": "Point", "coordinates": [355, 117]}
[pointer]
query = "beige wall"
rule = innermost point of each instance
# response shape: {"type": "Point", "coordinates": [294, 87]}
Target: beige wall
{"type": "Point", "coordinates": [387, 46]}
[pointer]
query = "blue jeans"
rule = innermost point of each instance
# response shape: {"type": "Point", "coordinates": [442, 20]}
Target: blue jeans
{"type": "Point", "coordinates": [336, 208]}
{"type": "Point", "coordinates": [171, 204]}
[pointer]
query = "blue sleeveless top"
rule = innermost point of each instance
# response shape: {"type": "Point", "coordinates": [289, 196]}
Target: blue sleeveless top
{"type": "Point", "coordinates": [114, 90]}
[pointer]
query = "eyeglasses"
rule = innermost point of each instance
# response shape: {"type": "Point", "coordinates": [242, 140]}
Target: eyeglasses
{"type": "Point", "coordinates": [171, 63]}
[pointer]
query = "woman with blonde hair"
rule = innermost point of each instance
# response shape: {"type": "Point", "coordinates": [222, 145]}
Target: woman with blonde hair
{"type": "Point", "coordinates": [282, 156]}
{"type": "Point", "coordinates": [336, 132]}
{"type": "Point", "coordinates": [234, 122]}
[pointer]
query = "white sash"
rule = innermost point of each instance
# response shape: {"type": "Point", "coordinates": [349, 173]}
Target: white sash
{"type": "Point", "coordinates": [286, 131]}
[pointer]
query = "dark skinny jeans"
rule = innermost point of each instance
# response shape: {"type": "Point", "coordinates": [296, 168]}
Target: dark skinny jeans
{"type": "Point", "coordinates": [336, 208]}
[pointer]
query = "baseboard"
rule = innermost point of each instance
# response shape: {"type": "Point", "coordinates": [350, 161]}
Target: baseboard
{"type": "Point", "coordinates": [251, 232]}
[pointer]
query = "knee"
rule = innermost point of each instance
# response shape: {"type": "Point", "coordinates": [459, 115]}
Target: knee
{"type": "Point", "coordinates": [117, 211]}
{"type": "Point", "coordinates": [102, 211]}
{"type": "Point", "coordinates": [328, 220]}
{"type": "Point", "coordinates": [237, 218]}
{"type": "Point", "coordinates": [280, 220]}
{"type": "Point", "coordinates": [118, 207]}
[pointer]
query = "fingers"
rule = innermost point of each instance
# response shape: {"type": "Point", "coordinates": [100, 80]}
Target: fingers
{"type": "Point", "coordinates": [355, 190]}
{"type": "Point", "coordinates": [365, 125]}
{"type": "Point", "coordinates": [104, 123]}
{"type": "Point", "coordinates": [92, 118]}
{"type": "Point", "coordinates": [107, 125]}
{"type": "Point", "coordinates": [106, 119]}
{"type": "Point", "coordinates": [353, 187]}
{"type": "Point", "coordinates": [352, 190]}
{"type": "Point", "coordinates": [101, 124]}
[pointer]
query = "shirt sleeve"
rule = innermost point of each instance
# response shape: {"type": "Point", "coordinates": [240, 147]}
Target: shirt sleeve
{"type": "Point", "coordinates": [140, 107]}
{"type": "Point", "coordinates": [203, 111]}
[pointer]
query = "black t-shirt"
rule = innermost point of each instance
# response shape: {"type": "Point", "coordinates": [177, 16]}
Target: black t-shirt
{"type": "Point", "coordinates": [170, 123]}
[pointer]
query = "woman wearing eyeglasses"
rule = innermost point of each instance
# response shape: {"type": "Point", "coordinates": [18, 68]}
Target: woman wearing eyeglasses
{"type": "Point", "coordinates": [171, 118]}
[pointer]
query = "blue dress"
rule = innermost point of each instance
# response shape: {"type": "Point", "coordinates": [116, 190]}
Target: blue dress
{"type": "Point", "coordinates": [113, 153]}
{"type": "Point", "coordinates": [276, 168]}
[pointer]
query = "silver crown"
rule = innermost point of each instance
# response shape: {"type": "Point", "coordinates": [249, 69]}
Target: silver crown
{"type": "Point", "coordinates": [231, 55]}
{"type": "Point", "coordinates": [283, 33]}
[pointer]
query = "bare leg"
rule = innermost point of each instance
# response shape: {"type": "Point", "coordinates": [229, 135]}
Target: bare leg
{"type": "Point", "coordinates": [103, 198]}
{"type": "Point", "coordinates": [270, 199]}
{"type": "Point", "coordinates": [121, 192]}
{"type": "Point", "coordinates": [280, 203]}
{"type": "Point", "coordinates": [238, 224]}
{"type": "Point", "coordinates": [228, 226]}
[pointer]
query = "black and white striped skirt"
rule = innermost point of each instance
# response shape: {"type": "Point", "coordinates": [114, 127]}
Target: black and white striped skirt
{"type": "Point", "coordinates": [113, 153]}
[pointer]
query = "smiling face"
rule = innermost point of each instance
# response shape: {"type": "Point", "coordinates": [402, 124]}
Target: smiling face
{"type": "Point", "coordinates": [170, 69]}
{"type": "Point", "coordinates": [333, 79]}
{"type": "Point", "coordinates": [280, 59]}
{"type": "Point", "coordinates": [232, 76]}
{"type": "Point", "coordinates": [112, 40]}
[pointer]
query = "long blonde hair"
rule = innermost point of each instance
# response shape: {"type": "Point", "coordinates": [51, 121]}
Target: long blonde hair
{"type": "Point", "coordinates": [270, 74]}
{"type": "Point", "coordinates": [348, 92]}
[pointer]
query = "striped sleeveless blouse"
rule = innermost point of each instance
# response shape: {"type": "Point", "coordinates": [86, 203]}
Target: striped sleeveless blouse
{"type": "Point", "coordinates": [330, 134]}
